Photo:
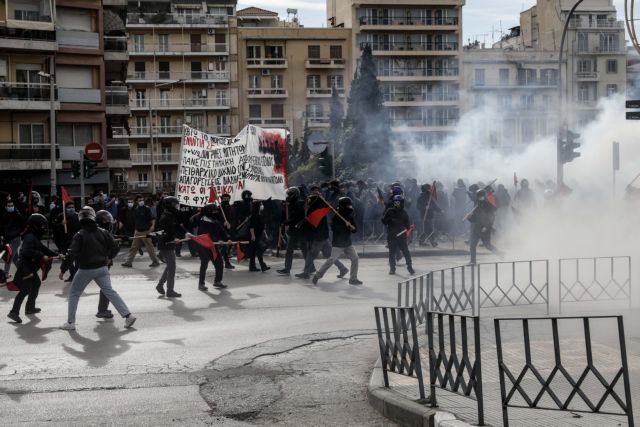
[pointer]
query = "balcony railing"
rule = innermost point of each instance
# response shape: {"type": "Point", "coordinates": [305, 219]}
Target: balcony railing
{"type": "Point", "coordinates": [27, 34]}
{"type": "Point", "coordinates": [410, 96]}
{"type": "Point", "coordinates": [587, 75]}
{"type": "Point", "coordinates": [173, 48]}
{"type": "Point", "coordinates": [25, 91]}
{"type": "Point", "coordinates": [318, 120]}
{"type": "Point", "coordinates": [408, 20]}
{"type": "Point", "coordinates": [269, 122]}
{"type": "Point", "coordinates": [158, 104]}
{"type": "Point", "coordinates": [164, 131]}
{"type": "Point", "coordinates": [266, 62]}
{"type": "Point", "coordinates": [118, 152]}
{"type": "Point", "coordinates": [115, 44]}
{"type": "Point", "coordinates": [434, 122]}
{"type": "Point", "coordinates": [34, 13]}
{"type": "Point", "coordinates": [267, 93]}
{"type": "Point", "coordinates": [175, 19]}
{"type": "Point", "coordinates": [323, 92]}
{"type": "Point", "coordinates": [417, 72]}
{"type": "Point", "coordinates": [325, 63]}
{"type": "Point", "coordinates": [599, 23]}
{"type": "Point", "coordinates": [179, 75]}
{"type": "Point", "coordinates": [410, 46]}
{"type": "Point", "coordinates": [145, 158]}
{"type": "Point", "coordinates": [26, 152]}
{"type": "Point", "coordinates": [117, 95]}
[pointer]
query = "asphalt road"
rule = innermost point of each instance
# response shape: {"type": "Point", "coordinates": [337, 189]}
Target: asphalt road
{"type": "Point", "coordinates": [158, 372]}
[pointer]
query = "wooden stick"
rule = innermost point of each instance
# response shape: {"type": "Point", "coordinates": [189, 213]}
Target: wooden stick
{"type": "Point", "coordinates": [347, 223]}
{"type": "Point", "coordinates": [634, 180]}
{"type": "Point", "coordinates": [64, 217]}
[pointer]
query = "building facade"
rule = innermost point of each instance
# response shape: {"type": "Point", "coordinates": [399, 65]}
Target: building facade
{"type": "Point", "coordinates": [288, 73]}
{"type": "Point", "coordinates": [416, 46]}
{"type": "Point", "coordinates": [182, 70]}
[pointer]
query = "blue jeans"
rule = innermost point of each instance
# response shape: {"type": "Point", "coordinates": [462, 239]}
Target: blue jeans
{"type": "Point", "coordinates": [103, 279]}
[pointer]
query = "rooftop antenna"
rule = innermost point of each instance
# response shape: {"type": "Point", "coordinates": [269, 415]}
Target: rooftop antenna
{"type": "Point", "coordinates": [293, 12]}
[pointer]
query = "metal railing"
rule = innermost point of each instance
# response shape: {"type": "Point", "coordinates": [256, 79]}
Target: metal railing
{"type": "Point", "coordinates": [181, 103]}
{"type": "Point", "coordinates": [25, 91]}
{"type": "Point", "coordinates": [599, 23]}
{"type": "Point", "coordinates": [163, 131]}
{"type": "Point", "coordinates": [323, 92]}
{"type": "Point", "coordinates": [398, 343]}
{"type": "Point", "coordinates": [161, 18]}
{"type": "Point", "coordinates": [178, 75]}
{"type": "Point", "coordinates": [266, 62]}
{"type": "Point", "coordinates": [416, 293]}
{"type": "Point", "coordinates": [143, 158]}
{"type": "Point", "coordinates": [440, 122]}
{"type": "Point", "coordinates": [118, 152]}
{"type": "Point", "coordinates": [412, 96]}
{"type": "Point", "coordinates": [116, 95]}
{"type": "Point", "coordinates": [513, 283]}
{"type": "Point", "coordinates": [325, 62]}
{"type": "Point", "coordinates": [544, 386]}
{"type": "Point", "coordinates": [417, 72]}
{"type": "Point", "coordinates": [170, 48]}
{"type": "Point", "coordinates": [258, 92]}
{"type": "Point", "coordinates": [409, 20]}
{"type": "Point", "coordinates": [268, 121]}
{"type": "Point", "coordinates": [419, 46]}
{"type": "Point", "coordinates": [455, 366]}
{"type": "Point", "coordinates": [594, 279]}
{"type": "Point", "coordinates": [453, 290]}
{"type": "Point", "coordinates": [115, 43]}
{"type": "Point", "coordinates": [26, 152]}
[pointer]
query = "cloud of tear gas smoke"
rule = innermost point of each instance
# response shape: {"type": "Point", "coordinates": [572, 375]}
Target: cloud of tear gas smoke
{"type": "Point", "coordinates": [588, 222]}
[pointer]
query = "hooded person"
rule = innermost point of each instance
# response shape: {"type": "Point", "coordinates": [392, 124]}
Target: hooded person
{"type": "Point", "coordinates": [12, 225]}
{"type": "Point", "coordinates": [428, 208]}
{"type": "Point", "coordinates": [93, 249]}
{"type": "Point", "coordinates": [294, 220]}
{"type": "Point", "coordinates": [397, 221]}
{"type": "Point", "coordinates": [481, 219]}
{"type": "Point", "coordinates": [30, 257]}
{"type": "Point", "coordinates": [211, 223]}
{"type": "Point", "coordinates": [167, 241]}
{"type": "Point", "coordinates": [105, 221]}
{"type": "Point", "coordinates": [229, 216]}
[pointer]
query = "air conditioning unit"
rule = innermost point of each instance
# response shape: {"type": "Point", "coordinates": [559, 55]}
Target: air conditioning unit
{"type": "Point", "coordinates": [212, 85]}
{"type": "Point", "coordinates": [266, 72]}
{"type": "Point", "coordinates": [211, 66]}
{"type": "Point", "coordinates": [204, 92]}
{"type": "Point", "coordinates": [211, 31]}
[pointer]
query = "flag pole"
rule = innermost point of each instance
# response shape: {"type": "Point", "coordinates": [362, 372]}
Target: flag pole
{"type": "Point", "coordinates": [335, 211]}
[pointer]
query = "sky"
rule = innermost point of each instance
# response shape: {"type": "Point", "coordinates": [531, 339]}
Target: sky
{"type": "Point", "coordinates": [481, 17]}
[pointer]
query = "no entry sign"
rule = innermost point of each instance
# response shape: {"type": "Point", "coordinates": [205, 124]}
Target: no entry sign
{"type": "Point", "coordinates": [93, 151]}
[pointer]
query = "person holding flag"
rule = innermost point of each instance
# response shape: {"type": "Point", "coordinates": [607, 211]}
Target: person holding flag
{"type": "Point", "coordinates": [428, 207]}
{"type": "Point", "coordinates": [211, 229]}
{"type": "Point", "coordinates": [397, 221]}
{"type": "Point", "coordinates": [167, 241]}
{"type": "Point", "coordinates": [481, 218]}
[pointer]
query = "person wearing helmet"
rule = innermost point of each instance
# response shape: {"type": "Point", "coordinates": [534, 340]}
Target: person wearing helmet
{"type": "Point", "coordinates": [167, 245]}
{"type": "Point", "coordinates": [256, 231]}
{"type": "Point", "coordinates": [293, 219]}
{"type": "Point", "coordinates": [211, 222]}
{"type": "Point", "coordinates": [481, 218]}
{"type": "Point", "coordinates": [524, 198]}
{"type": "Point", "coordinates": [343, 225]}
{"type": "Point", "coordinates": [243, 209]}
{"type": "Point", "coordinates": [30, 257]}
{"type": "Point", "coordinates": [93, 249]}
{"type": "Point", "coordinates": [427, 208]}
{"type": "Point", "coordinates": [64, 236]}
{"type": "Point", "coordinates": [397, 221]}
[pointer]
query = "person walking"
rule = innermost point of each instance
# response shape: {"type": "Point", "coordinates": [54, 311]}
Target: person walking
{"type": "Point", "coordinates": [397, 221]}
{"type": "Point", "coordinates": [211, 223]}
{"type": "Point", "coordinates": [93, 249]}
{"type": "Point", "coordinates": [145, 222]}
{"type": "Point", "coordinates": [167, 245]}
{"type": "Point", "coordinates": [12, 225]}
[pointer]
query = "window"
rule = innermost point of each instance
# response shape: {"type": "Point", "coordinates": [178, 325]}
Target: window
{"type": "Point", "coordinates": [141, 125]}
{"type": "Point", "coordinates": [612, 66]}
{"type": "Point", "coordinates": [479, 74]}
{"type": "Point", "coordinates": [609, 42]}
{"type": "Point", "coordinates": [221, 124]}
{"type": "Point", "coordinates": [165, 124]}
{"type": "Point", "coordinates": [274, 51]}
{"type": "Point", "coordinates": [612, 90]}
{"type": "Point", "coordinates": [583, 42]}
{"type": "Point", "coordinates": [583, 93]}
{"type": "Point", "coordinates": [139, 68]}
{"type": "Point", "coordinates": [222, 98]}
{"type": "Point", "coordinates": [221, 42]}
{"type": "Point", "coordinates": [526, 100]}
{"type": "Point", "coordinates": [165, 95]}
{"type": "Point", "coordinates": [254, 81]}
{"type": "Point", "coordinates": [313, 82]}
{"type": "Point", "coordinates": [166, 175]}
{"type": "Point", "coordinates": [196, 70]}
{"type": "Point", "coordinates": [335, 52]}
{"type": "Point", "coordinates": [163, 67]}
{"type": "Point", "coordinates": [253, 52]}
{"type": "Point", "coordinates": [527, 76]}
{"type": "Point", "coordinates": [73, 76]}
{"type": "Point", "coordinates": [255, 111]}
{"type": "Point", "coordinates": [276, 81]}
{"type": "Point", "coordinates": [143, 177]}
{"type": "Point", "coordinates": [584, 66]}
{"type": "Point", "coordinates": [138, 42]}
{"type": "Point", "coordinates": [75, 135]}
{"type": "Point", "coordinates": [277, 110]}
{"type": "Point", "coordinates": [314, 110]}
{"type": "Point", "coordinates": [504, 101]}
{"type": "Point", "coordinates": [548, 77]}
{"type": "Point", "coordinates": [163, 42]}
{"type": "Point", "coordinates": [314, 52]}
{"type": "Point", "coordinates": [140, 98]}
{"type": "Point", "coordinates": [335, 80]}
{"type": "Point", "coordinates": [504, 77]}
{"type": "Point", "coordinates": [31, 133]}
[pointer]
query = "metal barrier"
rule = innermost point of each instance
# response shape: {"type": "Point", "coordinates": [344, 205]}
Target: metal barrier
{"type": "Point", "coordinates": [452, 290]}
{"type": "Point", "coordinates": [558, 368]}
{"type": "Point", "coordinates": [513, 283]}
{"type": "Point", "coordinates": [594, 279]}
{"type": "Point", "coordinates": [451, 366]}
{"type": "Point", "coordinates": [399, 352]}
{"type": "Point", "coordinates": [415, 293]}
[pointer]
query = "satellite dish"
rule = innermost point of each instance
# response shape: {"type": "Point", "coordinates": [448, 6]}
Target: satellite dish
{"type": "Point", "coordinates": [317, 144]}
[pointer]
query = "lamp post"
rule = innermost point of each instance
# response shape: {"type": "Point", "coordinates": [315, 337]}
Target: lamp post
{"type": "Point", "coordinates": [52, 125]}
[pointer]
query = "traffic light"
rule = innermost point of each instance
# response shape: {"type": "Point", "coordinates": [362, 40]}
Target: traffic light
{"type": "Point", "coordinates": [75, 169]}
{"type": "Point", "coordinates": [89, 168]}
{"type": "Point", "coordinates": [568, 147]}
{"type": "Point", "coordinates": [325, 160]}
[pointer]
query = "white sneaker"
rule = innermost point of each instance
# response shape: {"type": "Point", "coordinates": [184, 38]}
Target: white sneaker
{"type": "Point", "coordinates": [68, 326]}
{"type": "Point", "coordinates": [129, 321]}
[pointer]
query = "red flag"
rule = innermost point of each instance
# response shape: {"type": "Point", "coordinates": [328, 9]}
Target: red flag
{"type": "Point", "coordinates": [239, 253]}
{"type": "Point", "coordinates": [45, 266]}
{"type": "Point", "coordinates": [409, 232]}
{"type": "Point", "coordinates": [11, 286]}
{"type": "Point", "coordinates": [491, 198]}
{"type": "Point", "coordinates": [8, 253]}
{"type": "Point", "coordinates": [205, 241]}
{"type": "Point", "coordinates": [213, 194]}
{"type": "Point", "coordinates": [65, 196]}
{"type": "Point", "coordinates": [316, 216]}
{"type": "Point", "coordinates": [434, 191]}
{"type": "Point", "coordinates": [380, 198]}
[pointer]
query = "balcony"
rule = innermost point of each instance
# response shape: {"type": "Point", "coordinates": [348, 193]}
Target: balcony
{"type": "Point", "coordinates": [115, 49]}
{"type": "Point", "coordinates": [17, 157]}
{"type": "Point", "coordinates": [416, 73]}
{"type": "Point", "coordinates": [597, 24]}
{"type": "Point", "coordinates": [179, 49]}
{"type": "Point", "coordinates": [25, 96]}
{"type": "Point", "coordinates": [318, 121]}
{"type": "Point", "coordinates": [269, 122]}
{"type": "Point", "coordinates": [114, 3]}
{"type": "Point", "coordinates": [158, 159]}
{"type": "Point", "coordinates": [30, 15]}
{"type": "Point", "coordinates": [182, 104]}
{"type": "Point", "coordinates": [408, 23]}
{"type": "Point", "coordinates": [118, 155]}
{"type": "Point", "coordinates": [174, 20]}
{"type": "Point", "coordinates": [521, 84]}
{"type": "Point", "coordinates": [323, 93]}
{"type": "Point", "coordinates": [145, 186]}
{"type": "Point", "coordinates": [119, 132]}
{"type": "Point", "coordinates": [267, 63]}
{"type": "Point", "coordinates": [336, 63]}
{"type": "Point", "coordinates": [267, 93]}
{"type": "Point", "coordinates": [410, 48]}
{"type": "Point", "coordinates": [117, 99]}
{"type": "Point", "coordinates": [185, 76]}
{"type": "Point", "coordinates": [594, 50]}
{"type": "Point", "coordinates": [588, 76]}
{"type": "Point", "coordinates": [78, 39]}
{"type": "Point", "coordinates": [423, 125]}
{"type": "Point", "coordinates": [411, 98]}
{"type": "Point", "coordinates": [21, 39]}
{"type": "Point", "coordinates": [79, 95]}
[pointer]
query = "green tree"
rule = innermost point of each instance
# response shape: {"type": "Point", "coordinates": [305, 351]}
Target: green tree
{"type": "Point", "coordinates": [366, 146]}
{"type": "Point", "coordinates": [336, 116]}
{"type": "Point", "coordinates": [304, 154]}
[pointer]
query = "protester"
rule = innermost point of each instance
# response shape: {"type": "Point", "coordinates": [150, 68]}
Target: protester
{"type": "Point", "coordinates": [166, 244]}
{"type": "Point", "coordinates": [144, 223]}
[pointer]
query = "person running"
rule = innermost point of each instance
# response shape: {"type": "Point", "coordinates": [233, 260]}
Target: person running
{"type": "Point", "coordinates": [93, 249]}
{"type": "Point", "coordinates": [30, 257]}
{"type": "Point", "coordinates": [167, 244]}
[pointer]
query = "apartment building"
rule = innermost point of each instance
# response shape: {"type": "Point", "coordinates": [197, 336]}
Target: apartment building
{"type": "Point", "coordinates": [416, 45]}
{"type": "Point", "coordinates": [288, 72]}
{"type": "Point", "coordinates": [47, 44]}
{"type": "Point", "coordinates": [182, 70]}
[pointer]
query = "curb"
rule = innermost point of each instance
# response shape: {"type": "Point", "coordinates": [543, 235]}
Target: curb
{"type": "Point", "coordinates": [380, 254]}
{"type": "Point", "coordinates": [401, 410]}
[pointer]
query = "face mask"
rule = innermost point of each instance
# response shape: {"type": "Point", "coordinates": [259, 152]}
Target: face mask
{"type": "Point", "coordinates": [10, 209]}
{"type": "Point", "coordinates": [141, 203]}
{"type": "Point", "coordinates": [71, 210]}
{"type": "Point", "coordinates": [52, 206]}
{"type": "Point", "coordinates": [396, 205]}
{"type": "Point", "coordinates": [130, 204]}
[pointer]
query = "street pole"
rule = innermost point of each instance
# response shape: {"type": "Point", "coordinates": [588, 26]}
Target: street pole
{"type": "Point", "coordinates": [153, 172]}
{"type": "Point", "coordinates": [52, 126]}
{"type": "Point", "coordinates": [561, 117]}
{"type": "Point", "coordinates": [333, 159]}
{"type": "Point", "coordinates": [82, 179]}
